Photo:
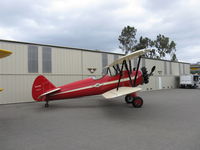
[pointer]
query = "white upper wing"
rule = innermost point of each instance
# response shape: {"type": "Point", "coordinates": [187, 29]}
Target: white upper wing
{"type": "Point", "coordinates": [129, 57]}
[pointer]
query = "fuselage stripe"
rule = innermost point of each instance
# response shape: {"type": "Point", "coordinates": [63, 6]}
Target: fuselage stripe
{"type": "Point", "coordinates": [95, 85]}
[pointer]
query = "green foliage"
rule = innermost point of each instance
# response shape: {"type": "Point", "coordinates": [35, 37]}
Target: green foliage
{"type": "Point", "coordinates": [143, 43]}
{"type": "Point", "coordinates": [127, 39]}
{"type": "Point", "coordinates": [160, 48]}
{"type": "Point", "coordinates": [165, 47]}
{"type": "Point", "coordinates": [146, 43]}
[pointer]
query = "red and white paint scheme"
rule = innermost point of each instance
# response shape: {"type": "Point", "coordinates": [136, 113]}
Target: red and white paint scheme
{"type": "Point", "coordinates": [123, 82]}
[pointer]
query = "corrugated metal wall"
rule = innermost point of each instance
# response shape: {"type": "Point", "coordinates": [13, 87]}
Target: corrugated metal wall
{"type": "Point", "coordinates": [166, 74]}
{"type": "Point", "coordinates": [64, 65]}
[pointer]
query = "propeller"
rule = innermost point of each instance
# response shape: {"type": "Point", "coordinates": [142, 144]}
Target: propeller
{"type": "Point", "coordinates": [152, 70]}
{"type": "Point", "coordinates": [146, 75]}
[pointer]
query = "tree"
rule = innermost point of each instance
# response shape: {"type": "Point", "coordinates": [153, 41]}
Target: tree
{"type": "Point", "coordinates": [146, 43]}
{"type": "Point", "coordinates": [165, 47]}
{"type": "Point", "coordinates": [127, 39]}
{"type": "Point", "coordinates": [160, 48]}
{"type": "Point", "coordinates": [143, 43]}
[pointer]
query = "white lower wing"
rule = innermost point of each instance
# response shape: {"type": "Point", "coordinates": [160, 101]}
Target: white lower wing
{"type": "Point", "coordinates": [120, 92]}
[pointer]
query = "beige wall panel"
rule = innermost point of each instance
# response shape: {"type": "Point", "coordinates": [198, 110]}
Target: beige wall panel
{"type": "Point", "coordinates": [175, 68]}
{"type": "Point", "coordinates": [92, 60]}
{"type": "Point", "coordinates": [110, 58]}
{"type": "Point", "coordinates": [16, 63]}
{"type": "Point", "coordinates": [66, 61]}
{"type": "Point", "coordinates": [181, 68]}
{"type": "Point", "coordinates": [159, 66]}
{"type": "Point", "coordinates": [17, 88]}
{"type": "Point", "coordinates": [40, 59]}
{"type": "Point", "coordinates": [187, 68]}
{"type": "Point", "coordinates": [167, 68]}
{"type": "Point", "coordinates": [151, 85]}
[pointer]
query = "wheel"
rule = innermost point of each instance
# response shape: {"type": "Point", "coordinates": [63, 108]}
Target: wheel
{"type": "Point", "coordinates": [137, 102]}
{"type": "Point", "coordinates": [129, 99]}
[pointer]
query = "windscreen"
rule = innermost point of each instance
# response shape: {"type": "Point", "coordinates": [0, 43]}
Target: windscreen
{"type": "Point", "coordinates": [196, 78]}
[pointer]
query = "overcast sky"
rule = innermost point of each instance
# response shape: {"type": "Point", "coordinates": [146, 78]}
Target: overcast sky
{"type": "Point", "coordinates": [96, 24]}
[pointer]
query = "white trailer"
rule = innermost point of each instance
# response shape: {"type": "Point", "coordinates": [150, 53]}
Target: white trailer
{"type": "Point", "coordinates": [189, 81]}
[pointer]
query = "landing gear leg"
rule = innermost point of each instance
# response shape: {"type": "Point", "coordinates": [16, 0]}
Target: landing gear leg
{"type": "Point", "coordinates": [46, 104]}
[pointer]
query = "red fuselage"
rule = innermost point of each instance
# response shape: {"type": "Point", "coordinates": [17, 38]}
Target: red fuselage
{"type": "Point", "coordinates": [91, 86]}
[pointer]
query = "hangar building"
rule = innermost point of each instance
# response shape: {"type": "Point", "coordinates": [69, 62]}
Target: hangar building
{"type": "Point", "coordinates": [62, 65]}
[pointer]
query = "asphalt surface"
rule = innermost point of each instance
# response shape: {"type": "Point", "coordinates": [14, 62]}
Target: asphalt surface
{"type": "Point", "coordinates": [169, 120]}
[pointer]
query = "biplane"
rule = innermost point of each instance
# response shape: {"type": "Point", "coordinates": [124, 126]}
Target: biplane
{"type": "Point", "coordinates": [122, 80]}
{"type": "Point", "coordinates": [4, 53]}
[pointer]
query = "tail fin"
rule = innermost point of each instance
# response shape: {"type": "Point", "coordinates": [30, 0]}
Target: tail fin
{"type": "Point", "coordinates": [41, 86]}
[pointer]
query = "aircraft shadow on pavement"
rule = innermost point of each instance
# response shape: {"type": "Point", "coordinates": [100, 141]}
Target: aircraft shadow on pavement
{"type": "Point", "coordinates": [112, 109]}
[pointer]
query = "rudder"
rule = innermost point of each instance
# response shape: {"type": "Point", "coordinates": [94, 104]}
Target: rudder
{"type": "Point", "coordinates": [40, 86]}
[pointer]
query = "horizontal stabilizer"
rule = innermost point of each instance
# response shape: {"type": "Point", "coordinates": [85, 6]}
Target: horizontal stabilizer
{"type": "Point", "coordinates": [120, 92]}
{"type": "Point", "coordinates": [49, 92]}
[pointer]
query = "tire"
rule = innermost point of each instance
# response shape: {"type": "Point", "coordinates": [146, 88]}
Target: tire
{"type": "Point", "coordinates": [129, 99]}
{"type": "Point", "coordinates": [137, 102]}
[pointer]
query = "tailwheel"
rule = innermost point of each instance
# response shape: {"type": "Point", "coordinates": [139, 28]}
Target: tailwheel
{"type": "Point", "coordinates": [129, 99]}
{"type": "Point", "coordinates": [137, 102]}
{"type": "Point", "coordinates": [46, 104]}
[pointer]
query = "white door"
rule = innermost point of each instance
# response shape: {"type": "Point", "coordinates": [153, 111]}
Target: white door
{"type": "Point", "coordinates": [159, 83]}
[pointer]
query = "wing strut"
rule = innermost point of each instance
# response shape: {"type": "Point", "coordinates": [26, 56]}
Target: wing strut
{"type": "Point", "coordinates": [130, 66]}
{"type": "Point", "coordinates": [138, 65]}
{"type": "Point", "coordinates": [118, 67]}
{"type": "Point", "coordinates": [129, 74]}
{"type": "Point", "coordinates": [116, 70]}
{"type": "Point", "coordinates": [120, 76]}
{"type": "Point", "coordinates": [108, 71]}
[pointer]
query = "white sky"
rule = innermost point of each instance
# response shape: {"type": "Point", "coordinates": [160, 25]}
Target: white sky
{"type": "Point", "coordinates": [96, 24]}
